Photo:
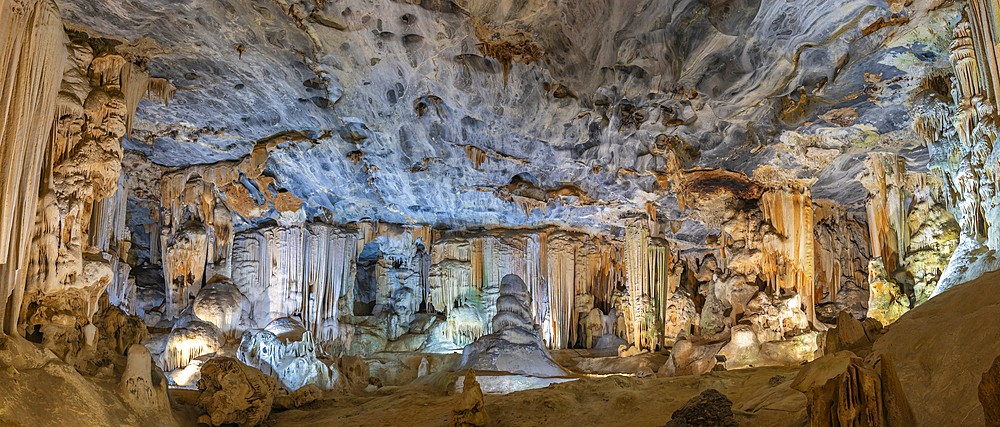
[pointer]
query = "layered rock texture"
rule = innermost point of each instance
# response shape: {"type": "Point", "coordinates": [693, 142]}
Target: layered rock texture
{"type": "Point", "coordinates": [272, 193]}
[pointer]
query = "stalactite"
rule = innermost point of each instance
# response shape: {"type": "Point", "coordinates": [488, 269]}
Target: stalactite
{"type": "Point", "coordinates": [330, 269]}
{"type": "Point", "coordinates": [561, 256]}
{"type": "Point", "coordinates": [107, 232]}
{"type": "Point", "coordinates": [528, 204]}
{"type": "Point", "coordinates": [886, 210]}
{"type": "Point", "coordinates": [193, 205]}
{"type": "Point", "coordinates": [984, 26]}
{"type": "Point", "coordinates": [160, 90]}
{"type": "Point", "coordinates": [184, 265]}
{"type": "Point", "coordinates": [651, 283]}
{"type": "Point", "coordinates": [788, 261]}
{"type": "Point", "coordinates": [556, 266]}
{"type": "Point", "coordinates": [637, 278]}
{"type": "Point", "coordinates": [107, 223]}
{"type": "Point", "coordinates": [121, 291]}
{"type": "Point", "coordinates": [32, 55]}
{"type": "Point", "coordinates": [300, 270]}
{"type": "Point", "coordinates": [476, 155]}
{"type": "Point", "coordinates": [133, 84]}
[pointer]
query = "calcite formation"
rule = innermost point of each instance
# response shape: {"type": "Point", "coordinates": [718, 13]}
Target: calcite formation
{"type": "Point", "coordinates": [355, 193]}
{"type": "Point", "coordinates": [469, 411]}
{"type": "Point", "coordinates": [858, 396]}
{"type": "Point", "coordinates": [285, 350]}
{"type": "Point", "coordinates": [515, 345]}
{"type": "Point", "coordinates": [989, 393]}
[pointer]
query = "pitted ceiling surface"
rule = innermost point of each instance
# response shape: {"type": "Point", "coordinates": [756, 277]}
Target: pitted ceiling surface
{"type": "Point", "coordinates": [405, 85]}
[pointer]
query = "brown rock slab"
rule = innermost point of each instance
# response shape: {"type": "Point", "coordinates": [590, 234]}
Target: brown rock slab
{"type": "Point", "coordinates": [989, 394]}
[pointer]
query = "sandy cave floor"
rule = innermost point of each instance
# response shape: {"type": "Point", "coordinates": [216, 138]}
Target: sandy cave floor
{"type": "Point", "coordinates": [761, 397]}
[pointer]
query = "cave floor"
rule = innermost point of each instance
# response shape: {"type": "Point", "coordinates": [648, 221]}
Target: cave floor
{"type": "Point", "coordinates": [761, 397]}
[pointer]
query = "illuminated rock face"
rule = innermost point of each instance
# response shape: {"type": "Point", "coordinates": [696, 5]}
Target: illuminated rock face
{"type": "Point", "coordinates": [379, 172]}
{"type": "Point", "coordinates": [886, 301]}
{"type": "Point", "coordinates": [285, 350]}
{"type": "Point", "coordinates": [439, 107]}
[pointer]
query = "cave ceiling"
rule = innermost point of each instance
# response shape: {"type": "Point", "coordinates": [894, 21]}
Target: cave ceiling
{"type": "Point", "coordinates": [444, 113]}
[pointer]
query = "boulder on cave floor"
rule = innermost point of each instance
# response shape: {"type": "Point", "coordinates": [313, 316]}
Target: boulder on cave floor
{"type": "Point", "coordinates": [709, 409]}
{"type": "Point", "coordinates": [234, 393]}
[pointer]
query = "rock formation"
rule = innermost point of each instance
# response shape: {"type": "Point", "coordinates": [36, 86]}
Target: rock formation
{"type": "Point", "coordinates": [857, 396]}
{"type": "Point", "coordinates": [515, 345]}
{"type": "Point", "coordinates": [469, 411]}
{"type": "Point", "coordinates": [694, 356]}
{"type": "Point", "coordinates": [334, 192]}
{"type": "Point", "coordinates": [285, 350]}
{"type": "Point", "coordinates": [709, 409]}
{"type": "Point", "coordinates": [234, 393]}
{"type": "Point", "coordinates": [989, 393]}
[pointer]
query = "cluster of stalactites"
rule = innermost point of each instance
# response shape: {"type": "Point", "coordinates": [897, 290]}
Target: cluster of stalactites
{"type": "Point", "coordinates": [974, 57]}
{"type": "Point", "coordinates": [107, 221]}
{"type": "Point", "coordinates": [32, 55]}
{"type": "Point", "coordinates": [476, 155]}
{"type": "Point", "coordinates": [886, 208]}
{"type": "Point", "coordinates": [841, 247]}
{"type": "Point", "coordinates": [191, 198]}
{"type": "Point", "coordinates": [299, 270]}
{"type": "Point", "coordinates": [193, 204]}
{"type": "Point", "coordinates": [571, 265]}
{"type": "Point", "coordinates": [196, 233]}
{"type": "Point", "coordinates": [466, 272]}
{"type": "Point", "coordinates": [109, 234]}
{"type": "Point", "coordinates": [650, 282]}
{"type": "Point", "coordinates": [788, 260]}
{"type": "Point", "coordinates": [984, 33]}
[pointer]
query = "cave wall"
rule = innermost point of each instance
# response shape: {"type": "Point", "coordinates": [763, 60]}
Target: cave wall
{"type": "Point", "coordinates": [635, 204]}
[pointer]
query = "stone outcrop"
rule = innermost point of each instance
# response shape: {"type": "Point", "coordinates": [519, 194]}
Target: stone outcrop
{"type": "Point", "coordinates": [941, 380]}
{"type": "Point", "coordinates": [234, 393]}
{"type": "Point", "coordinates": [286, 351]}
{"type": "Point", "coordinates": [709, 409]}
{"type": "Point", "coordinates": [694, 356]}
{"type": "Point", "coordinates": [989, 394]}
{"type": "Point", "coordinates": [855, 395]}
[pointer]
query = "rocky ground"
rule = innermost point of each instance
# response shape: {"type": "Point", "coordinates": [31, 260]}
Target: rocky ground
{"type": "Point", "coordinates": [762, 397]}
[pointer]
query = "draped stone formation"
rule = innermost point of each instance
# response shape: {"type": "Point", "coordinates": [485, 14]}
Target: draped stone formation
{"type": "Point", "coordinates": [466, 272]}
{"type": "Point", "coordinates": [33, 53]}
{"type": "Point", "coordinates": [298, 270]}
{"type": "Point", "coordinates": [965, 156]}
